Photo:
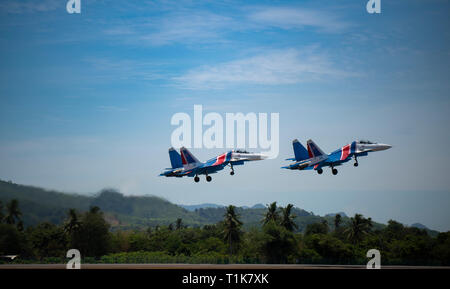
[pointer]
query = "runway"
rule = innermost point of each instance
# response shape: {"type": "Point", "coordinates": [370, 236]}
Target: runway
{"type": "Point", "coordinates": [209, 266]}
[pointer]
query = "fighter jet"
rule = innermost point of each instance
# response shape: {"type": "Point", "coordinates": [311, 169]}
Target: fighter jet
{"type": "Point", "coordinates": [186, 164]}
{"type": "Point", "coordinates": [315, 159]}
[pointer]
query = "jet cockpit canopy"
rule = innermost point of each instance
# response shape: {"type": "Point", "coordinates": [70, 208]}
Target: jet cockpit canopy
{"type": "Point", "coordinates": [366, 142]}
{"type": "Point", "coordinates": [241, 151]}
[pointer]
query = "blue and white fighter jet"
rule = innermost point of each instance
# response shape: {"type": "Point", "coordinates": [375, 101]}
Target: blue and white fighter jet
{"type": "Point", "coordinates": [315, 159]}
{"type": "Point", "coordinates": [186, 164]}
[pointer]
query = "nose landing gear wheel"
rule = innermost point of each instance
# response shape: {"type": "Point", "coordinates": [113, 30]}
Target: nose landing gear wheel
{"type": "Point", "coordinates": [196, 179]}
{"type": "Point", "coordinates": [208, 178]}
{"type": "Point", "coordinates": [334, 171]}
{"type": "Point", "coordinates": [232, 173]}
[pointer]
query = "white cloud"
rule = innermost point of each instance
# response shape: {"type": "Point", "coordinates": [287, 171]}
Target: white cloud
{"type": "Point", "coordinates": [119, 31]}
{"type": "Point", "coordinates": [278, 67]}
{"type": "Point", "coordinates": [196, 26]}
{"type": "Point", "coordinates": [125, 69]}
{"type": "Point", "coordinates": [297, 18]}
{"type": "Point", "coordinates": [112, 108]}
{"type": "Point", "coordinates": [30, 6]}
{"type": "Point", "coordinates": [184, 26]}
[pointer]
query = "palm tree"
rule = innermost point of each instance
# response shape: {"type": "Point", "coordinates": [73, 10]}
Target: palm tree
{"type": "Point", "coordinates": [1, 212]}
{"type": "Point", "coordinates": [272, 214]}
{"type": "Point", "coordinates": [73, 223]}
{"type": "Point", "coordinates": [287, 220]}
{"type": "Point", "coordinates": [20, 226]}
{"type": "Point", "coordinates": [358, 227]}
{"type": "Point", "coordinates": [232, 226]}
{"type": "Point", "coordinates": [94, 210]}
{"type": "Point", "coordinates": [369, 223]}
{"type": "Point", "coordinates": [13, 212]}
{"type": "Point", "coordinates": [179, 224]}
{"type": "Point", "coordinates": [337, 221]}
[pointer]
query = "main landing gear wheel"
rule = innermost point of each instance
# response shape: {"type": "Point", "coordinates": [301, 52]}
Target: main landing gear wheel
{"type": "Point", "coordinates": [208, 178]}
{"type": "Point", "coordinates": [196, 179]}
{"type": "Point", "coordinates": [319, 171]}
{"type": "Point", "coordinates": [356, 162]}
{"type": "Point", "coordinates": [334, 171]}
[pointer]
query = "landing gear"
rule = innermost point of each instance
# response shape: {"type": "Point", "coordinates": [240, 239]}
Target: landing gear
{"type": "Point", "coordinates": [319, 171]}
{"type": "Point", "coordinates": [356, 162]}
{"type": "Point", "coordinates": [232, 170]}
{"type": "Point", "coordinates": [208, 178]}
{"type": "Point", "coordinates": [196, 179]}
{"type": "Point", "coordinates": [334, 171]}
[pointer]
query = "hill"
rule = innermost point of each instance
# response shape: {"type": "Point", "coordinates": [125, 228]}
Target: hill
{"type": "Point", "coordinates": [39, 205]}
{"type": "Point", "coordinates": [430, 232]}
{"type": "Point", "coordinates": [420, 226]}
{"type": "Point", "coordinates": [334, 214]}
{"type": "Point", "coordinates": [210, 205]}
{"type": "Point", "coordinates": [134, 212]}
{"type": "Point", "coordinates": [192, 208]}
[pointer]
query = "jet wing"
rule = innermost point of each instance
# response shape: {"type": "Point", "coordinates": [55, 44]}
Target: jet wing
{"type": "Point", "coordinates": [337, 158]}
{"type": "Point", "coordinates": [212, 166]}
{"type": "Point", "coordinates": [207, 169]}
{"type": "Point", "coordinates": [238, 162]}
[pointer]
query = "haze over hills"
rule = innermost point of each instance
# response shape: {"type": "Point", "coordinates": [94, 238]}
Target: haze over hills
{"type": "Point", "coordinates": [334, 214]}
{"type": "Point", "coordinates": [136, 212]}
{"type": "Point", "coordinates": [420, 226]}
{"type": "Point", "coordinates": [210, 205]}
{"type": "Point", "coordinates": [200, 206]}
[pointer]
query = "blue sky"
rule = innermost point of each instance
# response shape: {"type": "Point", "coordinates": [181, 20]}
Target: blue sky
{"type": "Point", "coordinates": [86, 100]}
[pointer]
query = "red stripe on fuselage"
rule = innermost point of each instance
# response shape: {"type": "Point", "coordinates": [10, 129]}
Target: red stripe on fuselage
{"type": "Point", "coordinates": [345, 152]}
{"type": "Point", "coordinates": [220, 160]}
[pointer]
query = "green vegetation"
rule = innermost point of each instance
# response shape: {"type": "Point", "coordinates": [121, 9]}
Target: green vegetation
{"type": "Point", "coordinates": [127, 212]}
{"type": "Point", "coordinates": [232, 229]}
{"type": "Point", "coordinates": [112, 228]}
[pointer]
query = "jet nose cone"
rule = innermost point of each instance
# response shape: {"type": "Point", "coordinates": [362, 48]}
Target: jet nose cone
{"type": "Point", "coordinates": [263, 157]}
{"type": "Point", "coordinates": [260, 156]}
{"type": "Point", "coordinates": [383, 147]}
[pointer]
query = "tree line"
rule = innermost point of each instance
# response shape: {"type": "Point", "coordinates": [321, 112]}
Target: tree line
{"type": "Point", "coordinates": [275, 241]}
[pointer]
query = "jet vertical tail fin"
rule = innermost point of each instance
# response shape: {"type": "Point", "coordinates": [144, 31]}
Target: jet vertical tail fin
{"type": "Point", "coordinates": [175, 158]}
{"type": "Point", "coordinates": [313, 149]}
{"type": "Point", "coordinates": [187, 157]}
{"type": "Point", "coordinates": [299, 151]}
